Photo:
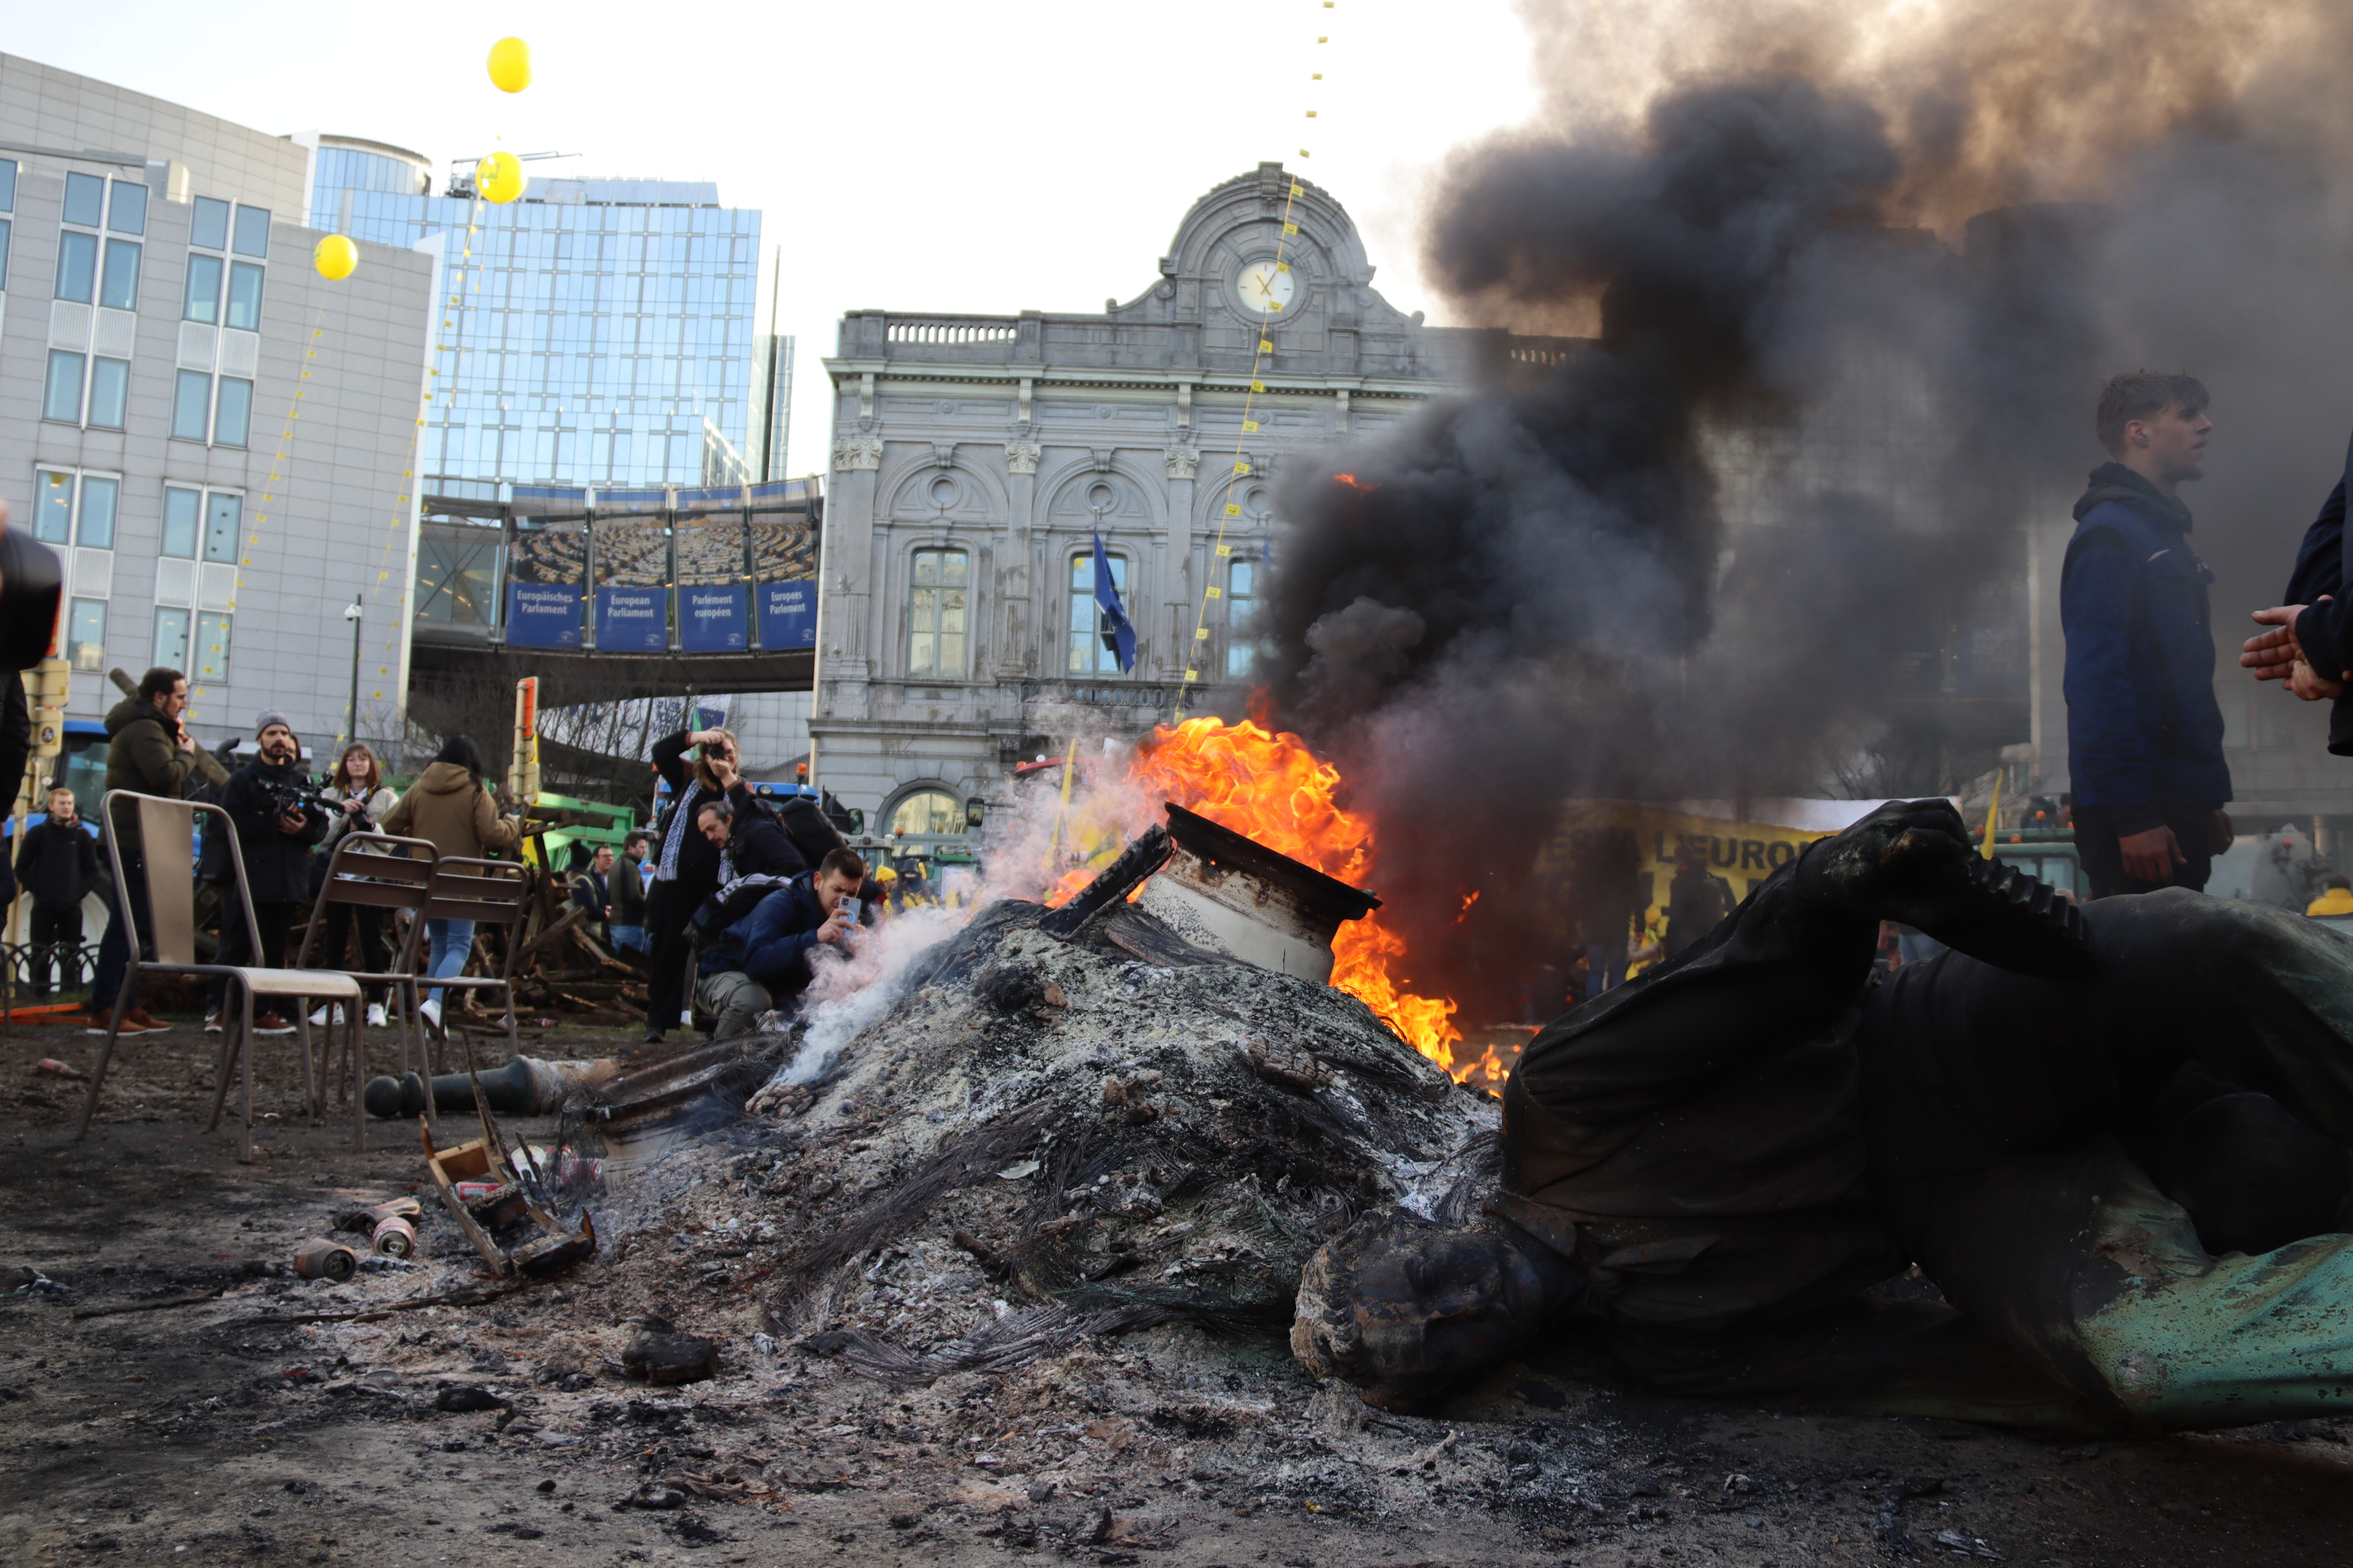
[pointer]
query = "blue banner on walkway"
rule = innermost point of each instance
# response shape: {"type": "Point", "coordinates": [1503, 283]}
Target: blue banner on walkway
{"type": "Point", "coordinates": [542, 615]}
{"type": "Point", "coordinates": [787, 616]}
{"type": "Point", "coordinates": [711, 619]}
{"type": "Point", "coordinates": [632, 620]}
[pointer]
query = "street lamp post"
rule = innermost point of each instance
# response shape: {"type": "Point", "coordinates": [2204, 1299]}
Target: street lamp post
{"type": "Point", "coordinates": [352, 714]}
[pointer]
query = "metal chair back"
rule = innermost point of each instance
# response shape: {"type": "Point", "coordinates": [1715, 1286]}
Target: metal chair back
{"type": "Point", "coordinates": [381, 871]}
{"type": "Point", "coordinates": [487, 893]}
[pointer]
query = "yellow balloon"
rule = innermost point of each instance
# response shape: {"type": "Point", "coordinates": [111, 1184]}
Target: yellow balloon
{"type": "Point", "coordinates": [510, 65]}
{"type": "Point", "coordinates": [335, 257]}
{"type": "Point", "coordinates": [499, 177]}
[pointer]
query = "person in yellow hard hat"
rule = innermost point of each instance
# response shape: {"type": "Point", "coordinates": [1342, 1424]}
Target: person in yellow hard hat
{"type": "Point", "coordinates": [2336, 899]}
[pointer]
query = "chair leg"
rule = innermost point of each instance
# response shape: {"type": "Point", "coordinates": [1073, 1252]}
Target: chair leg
{"type": "Point", "coordinates": [302, 1024]}
{"type": "Point", "coordinates": [355, 1056]}
{"type": "Point", "coordinates": [245, 1143]}
{"type": "Point", "coordinates": [232, 1051]}
{"type": "Point", "coordinates": [113, 1022]}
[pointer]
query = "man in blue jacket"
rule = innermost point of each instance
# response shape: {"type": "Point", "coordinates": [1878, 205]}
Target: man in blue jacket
{"type": "Point", "coordinates": [2144, 730]}
{"type": "Point", "coordinates": [763, 960]}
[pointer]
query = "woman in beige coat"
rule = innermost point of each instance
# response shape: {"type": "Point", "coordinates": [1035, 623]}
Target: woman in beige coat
{"type": "Point", "coordinates": [448, 806]}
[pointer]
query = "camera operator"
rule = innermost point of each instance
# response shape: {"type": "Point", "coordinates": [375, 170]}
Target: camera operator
{"type": "Point", "coordinates": [147, 751]}
{"type": "Point", "coordinates": [278, 820]}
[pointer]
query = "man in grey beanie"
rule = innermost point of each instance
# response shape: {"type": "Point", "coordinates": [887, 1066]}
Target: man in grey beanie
{"type": "Point", "coordinates": [275, 833]}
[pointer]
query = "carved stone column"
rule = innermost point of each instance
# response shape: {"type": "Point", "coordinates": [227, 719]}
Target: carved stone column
{"type": "Point", "coordinates": [1184, 590]}
{"type": "Point", "coordinates": [1017, 639]}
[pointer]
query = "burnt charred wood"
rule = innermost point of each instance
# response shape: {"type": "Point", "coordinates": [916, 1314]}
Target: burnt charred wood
{"type": "Point", "coordinates": [1113, 883]}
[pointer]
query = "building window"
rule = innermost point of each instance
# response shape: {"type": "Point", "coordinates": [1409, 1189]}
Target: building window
{"type": "Point", "coordinates": [182, 511]}
{"type": "Point", "coordinates": [85, 199]}
{"type": "Point", "coordinates": [77, 265]}
{"type": "Point", "coordinates": [208, 224]}
{"type": "Point", "coordinates": [61, 398]}
{"type": "Point", "coordinates": [7, 184]}
{"type": "Point", "coordinates": [252, 231]}
{"type": "Point", "coordinates": [119, 286]}
{"type": "Point", "coordinates": [204, 288]}
{"type": "Point", "coordinates": [245, 296]}
{"type": "Point", "coordinates": [927, 811]}
{"type": "Point", "coordinates": [212, 649]}
{"type": "Point", "coordinates": [53, 494]}
{"type": "Point", "coordinates": [127, 211]}
{"type": "Point", "coordinates": [171, 638]}
{"type": "Point", "coordinates": [95, 527]}
{"type": "Point", "coordinates": [935, 616]}
{"type": "Point", "coordinates": [231, 423]}
{"type": "Point", "coordinates": [4, 227]}
{"type": "Point", "coordinates": [222, 514]}
{"type": "Point", "coordinates": [192, 400]}
{"type": "Point", "coordinates": [1241, 598]}
{"type": "Point", "coordinates": [1091, 654]}
{"type": "Point", "coordinates": [110, 393]}
{"type": "Point", "coordinates": [86, 634]}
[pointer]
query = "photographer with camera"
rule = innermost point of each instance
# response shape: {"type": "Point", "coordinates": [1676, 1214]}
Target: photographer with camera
{"type": "Point", "coordinates": [279, 816]}
{"type": "Point", "coordinates": [686, 863]}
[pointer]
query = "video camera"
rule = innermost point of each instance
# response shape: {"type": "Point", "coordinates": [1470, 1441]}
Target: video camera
{"type": "Point", "coordinates": [288, 797]}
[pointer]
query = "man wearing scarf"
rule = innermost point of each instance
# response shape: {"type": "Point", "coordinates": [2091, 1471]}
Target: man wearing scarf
{"type": "Point", "coordinates": [2144, 730]}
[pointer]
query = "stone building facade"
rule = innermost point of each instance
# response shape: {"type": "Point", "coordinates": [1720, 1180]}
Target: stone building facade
{"type": "Point", "coordinates": [976, 457]}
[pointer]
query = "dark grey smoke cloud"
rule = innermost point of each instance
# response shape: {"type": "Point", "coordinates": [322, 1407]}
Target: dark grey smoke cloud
{"type": "Point", "coordinates": [1859, 289]}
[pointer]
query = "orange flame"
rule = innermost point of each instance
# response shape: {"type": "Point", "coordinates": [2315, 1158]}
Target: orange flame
{"type": "Point", "coordinates": [1271, 787]}
{"type": "Point", "coordinates": [1465, 913]}
{"type": "Point", "coordinates": [1353, 483]}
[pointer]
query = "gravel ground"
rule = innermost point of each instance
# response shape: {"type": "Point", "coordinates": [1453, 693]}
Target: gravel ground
{"type": "Point", "coordinates": [226, 1430]}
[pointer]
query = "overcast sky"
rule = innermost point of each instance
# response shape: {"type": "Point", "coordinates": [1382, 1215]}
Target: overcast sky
{"type": "Point", "coordinates": [915, 156]}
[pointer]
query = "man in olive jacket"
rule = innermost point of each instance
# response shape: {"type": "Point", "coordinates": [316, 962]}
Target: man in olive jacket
{"type": "Point", "coordinates": [146, 751]}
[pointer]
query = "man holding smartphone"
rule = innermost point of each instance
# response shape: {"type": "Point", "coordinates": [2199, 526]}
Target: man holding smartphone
{"type": "Point", "coordinates": [762, 961]}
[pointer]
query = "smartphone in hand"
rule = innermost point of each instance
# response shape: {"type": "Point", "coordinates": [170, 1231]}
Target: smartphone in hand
{"type": "Point", "coordinates": [852, 907]}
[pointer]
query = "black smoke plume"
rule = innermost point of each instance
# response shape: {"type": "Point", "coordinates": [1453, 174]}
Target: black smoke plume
{"type": "Point", "coordinates": [1827, 321]}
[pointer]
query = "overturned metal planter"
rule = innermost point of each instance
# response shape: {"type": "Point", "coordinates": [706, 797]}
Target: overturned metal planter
{"type": "Point", "coordinates": [1225, 893]}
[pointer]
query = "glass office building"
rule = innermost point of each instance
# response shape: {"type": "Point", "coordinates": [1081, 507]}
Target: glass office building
{"type": "Point", "coordinates": [596, 334]}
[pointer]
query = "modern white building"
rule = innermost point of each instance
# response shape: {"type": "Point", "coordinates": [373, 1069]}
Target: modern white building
{"type": "Point", "coordinates": [218, 441]}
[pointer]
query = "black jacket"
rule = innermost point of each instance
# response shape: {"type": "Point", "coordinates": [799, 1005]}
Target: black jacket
{"type": "Point", "coordinates": [2326, 631]}
{"type": "Point", "coordinates": [277, 865]}
{"type": "Point", "coordinates": [757, 847]}
{"type": "Point", "coordinates": [589, 891]}
{"type": "Point", "coordinates": [58, 865]}
{"type": "Point", "coordinates": [697, 872]}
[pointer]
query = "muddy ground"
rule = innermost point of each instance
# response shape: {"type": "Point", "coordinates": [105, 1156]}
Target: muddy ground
{"type": "Point", "coordinates": [227, 1430]}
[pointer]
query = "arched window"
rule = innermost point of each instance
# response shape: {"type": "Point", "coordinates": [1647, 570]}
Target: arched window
{"type": "Point", "coordinates": [928, 811]}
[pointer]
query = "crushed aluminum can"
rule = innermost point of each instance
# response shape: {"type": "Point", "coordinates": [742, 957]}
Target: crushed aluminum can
{"type": "Point", "coordinates": [393, 1237]}
{"type": "Point", "coordinates": [325, 1260]}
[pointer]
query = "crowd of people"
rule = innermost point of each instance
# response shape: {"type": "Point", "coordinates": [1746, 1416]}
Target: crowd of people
{"type": "Point", "coordinates": [723, 901]}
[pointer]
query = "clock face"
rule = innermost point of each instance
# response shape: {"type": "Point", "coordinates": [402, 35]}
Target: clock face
{"type": "Point", "coordinates": [1264, 290]}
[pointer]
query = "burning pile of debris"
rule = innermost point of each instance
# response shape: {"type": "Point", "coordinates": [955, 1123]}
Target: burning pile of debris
{"type": "Point", "coordinates": [1131, 1109]}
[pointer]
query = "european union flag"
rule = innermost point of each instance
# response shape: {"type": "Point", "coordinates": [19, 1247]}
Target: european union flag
{"type": "Point", "coordinates": [1118, 636]}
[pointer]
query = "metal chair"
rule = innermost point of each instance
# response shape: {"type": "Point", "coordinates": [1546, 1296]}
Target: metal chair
{"type": "Point", "coordinates": [487, 893]}
{"type": "Point", "coordinates": [167, 832]}
{"type": "Point", "coordinates": [378, 871]}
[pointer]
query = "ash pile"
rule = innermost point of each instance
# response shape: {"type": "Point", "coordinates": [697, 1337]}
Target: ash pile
{"type": "Point", "coordinates": [1063, 1123]}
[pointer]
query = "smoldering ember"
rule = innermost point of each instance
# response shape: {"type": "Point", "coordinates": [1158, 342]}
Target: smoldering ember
{"type": "Point", "coordinates": [1694, 961]}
